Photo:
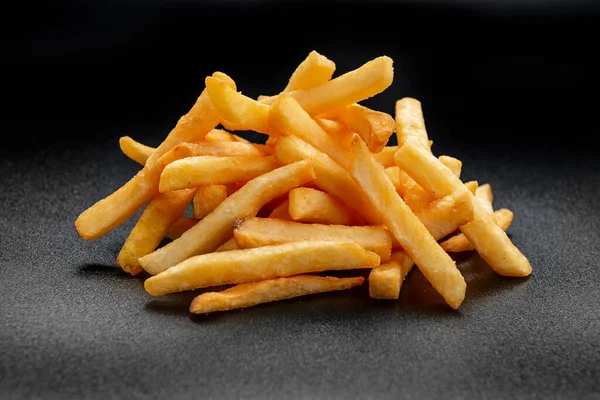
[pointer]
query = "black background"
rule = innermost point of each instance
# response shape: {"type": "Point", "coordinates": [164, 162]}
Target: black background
{"type": "Point", "coordinates": [509, 88]}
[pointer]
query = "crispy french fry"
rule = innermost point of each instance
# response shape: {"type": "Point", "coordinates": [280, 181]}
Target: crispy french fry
{"type": "Point", "coordinates": [454, 164]}
{"type": "Point", "coordinates": [281, 211]}
{"type": "Point", "coordinates": [312, 205]}
{"type": "Point", "coordinates": [231, 244]}
{"type": "Point", "coordinates": [110, 212]}
{"type": "Point", "coordinates": [435, 264]}
{"type": "Point", "coordinates": [472, 186]}
{"type": "Point", "coordinates": [257, 232]}
{"type": "Point", "coordinates": [217, 226]}
{"type": "Point", "coordinates": [330, 176]}
{"type": "Point", "coordinates": [352, 87]}
{"type": "Point", "coordinates": [180, 226]}
{"type": "Point", "coordinates": [443, 216]}
{"type": "Point", "coordinates": [410, 125]}
{"type": "Point", "coordinates": [242, 111]}
{"type": "Point", "coordinates": [386, 156]}
{"type": "Point", "coordinates": [136, 151]}
{"type": "Point", "coordinates": [252, 265]}
{"type": "Point", "coordinates": [251, 294]}
{"type": "Point", "coordinates": [457, 243]}
{"type": "Point", "coordinates": [374, 127]}
{"type": "Point", "coordinates": [315, 70]}
{"type": "Point", "coordinates": [162, 212]}
{"type": "Point", "coordinates": [287, 117]}
{"type": "Point", "coordinates": [206, 170]}
{"type": "Point", "coordinates": [490, 241]}
{"type": "Point", "coordinates": [386, 280]}
{"type": "Point", "coordinates": [207, 198]}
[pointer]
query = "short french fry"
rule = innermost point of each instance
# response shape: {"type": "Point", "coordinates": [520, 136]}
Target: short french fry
{"type": "Point", "coordinates": [435, 264]}
{"type": "Point", "coordinates": [110, 212]}
{"type": "Point", "coordinates": [242, 111]}
{"type": "Point", "coordinates": [490, 241]}
{"type": "Point", "coordinates": [251, 294]}
{"type": "Point", "coordinates": [180, 226]}
{"type": "Point", "coordinates": [252, 265]}
{"type": "Point", "coordinates": [330, 176]}
{"type": "Point", "coordinates": [207, 198]}
{"type": "Point", "coordinates": [281, 211]}
{"type": "Point", "coordinates": [374, 127]}
{"type": "Point", "coordinates": [315, 70]}
{"type": "Point", "coordinates": [312, 205]}
{"type": "Point", "coordinates": [257, 232]}
{"type": "Point", "coordinates": [136, 151]}
{"type": "Point", "coordinates": [352, 87]}
{"type": "Point", "coordinates": [287, 117]}
{"type": "Point", "coordinates": [457, 243]}
{"type": "Point", "coordinates": [217, 227]}
{"type": "Point", "coordinates": [231, 244]}
{"type": "Point", "coordinates": [160, 214]}
{"type": "Point", "coordinates": [386, 280]}
{"type": "Point", "coordinates": [454, 164]}
{"type": "Point", "coordinates": [206, 170]}
{"type": "Point", "coordinates": [443, 216]}
{"type": "Point", "coordinates": [410, 125]}
{"type": "Point", "coordinates": [386, 156]}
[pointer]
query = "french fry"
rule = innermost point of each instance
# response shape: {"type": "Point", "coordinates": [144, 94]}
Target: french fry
{"type": "Point", "coordinates": [454, 164]}
{"type": "Point", "coordinates": [110, 212]}
{"type": "Point", "coordinates": [490, 241]}
{"type": "Point", "coordinates": [242, 111]}
{"type": "Point", "coordinates": [410, 125]}
{"type": "Point", "coordinates": [352, 87]}
{"type": "Point", "coordinates": [484, 193]}
{"type": "Point", "coordinates": [207, 198]}
{"type": "Point", "coordinates": [162, 212]}
{"type": "Point", "coordinates": [287, 117]}
{"type": "Point", "coordinates": [180, 226]}
{"type": "Point", "coordinates": [386, 280]}
{"type": "Point", "coordinates": [435, 264]}
{"type": "Point", "coordinates": [315, 70]}
{"type": "Point", "coordinates": [258, 232]}
{"type": "Point", "coordinates": [410, 191]}
{"type": "Point", "coordinates": [386, 156]}
{"type": "Point", "coordinates": [252, 265]}
{"type": "Point", "coordinates": [136, 151]}
{"type": "Point", "coordinates": [251, 294]}
{"type": "Point", "coordinates": [231, 244]}
{"type": "Point", "coordinates": [374, 127]}
{"type": "Point", "coordinates": [217, 227]}
{"type": "Point", "coordinates": [281, 211]}
{"type": "Point", "coordinates": [315, 206]}
{"type": "Point", "coordinates": [218, 135]}
{"type": "Point", "coordinates": [206, 170]}
{"type": "Point", "coordinates": [330, 176]}
{"type": "Point", "coordinates": [472, 186]}
{"type": "Point", "coordinates": [443, 216]}
{"type": "Point", "coordinates": [457, 243]}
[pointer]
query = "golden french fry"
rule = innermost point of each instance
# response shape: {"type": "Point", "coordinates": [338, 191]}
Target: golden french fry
{"type": "Point", "coordinates": [315, 70]}
{"type": "Point", "coordinates": [206, 170]}
{"type": "Point", "coordinates": [435, 264]}
{"type": "Point", "coordinates": [162, 212]}
{"type": "Point", "coordinates": [413, 195]}
{"type": "Point", "coordinates": [330, 176]}
{"type": "Point", "coordinates": [287, 117]}
{"type": "Point", "coordinates": [231, 244]}
{"type": "Point", "coordinates": [312, 205]}
{"type": "Point", "coordinates": [252, 265]}
{"type": "Point", "coordinates": [207, 198]}
{"type": "Point", "coordinates": [136, 151]}
{"type": "Point", "coordinates": [457, 243]}
{"type": "Point", "coordinates": [257, 232]}
{"type": "Point", "coordinates": [386, 156]}
{"type": "Point", "coordinates": [374, 127]}
{"type": "Point", "coordinates": [444, 216]}
{"type": "Point", "coordinates": [110, 212]}
{"type": "Point", "coordinates": [394, 174]}
{"type": "Point", "coordinates": [251, 294]}
{"type": "Point", "coordinates": [217, 227]}
{"type": "Point", "coordinates": [180, 226]}
{"type": "Point", "coordinates": [281, 211]}
{"type": "Point", "coordinates": [386, 280]}
{"type": "Point", "coordinates": [454, 164]}
{"type": "Point", "coordinates": [484, 192]}
{"type": "Point", "coordinates": [472, 186]}
{"type": "Point", "coordinates": [410, 125]}
{"type": "Point", "coordinates": [490, 241]}
{"type": "Point", "coordinates": [218, 135]}
{"type": "Point", "coordinates": [352, 87]}
{"type": "Point", "coordinates": [242, 111]}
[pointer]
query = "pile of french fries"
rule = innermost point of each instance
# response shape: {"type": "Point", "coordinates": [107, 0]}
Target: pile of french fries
{"type": "Point", "coordinates": [325, 192]}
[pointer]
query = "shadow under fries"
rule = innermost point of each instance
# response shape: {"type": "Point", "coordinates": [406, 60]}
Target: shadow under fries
{"type": "Point", "coordinates": [103, 271]}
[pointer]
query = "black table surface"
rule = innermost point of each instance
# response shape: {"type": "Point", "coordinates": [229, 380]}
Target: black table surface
{"type": "Point", "coordinates": [73, 325]}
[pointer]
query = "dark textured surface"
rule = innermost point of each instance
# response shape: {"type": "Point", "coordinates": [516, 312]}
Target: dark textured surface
{"type": "Point", "coordinates": [515, 110]}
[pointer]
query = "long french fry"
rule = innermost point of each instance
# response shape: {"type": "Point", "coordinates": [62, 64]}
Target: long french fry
{"type": "Point", "coordinates": [257, 232]}
{"type": "Point", "coordinates": [217, 227]}
{"type": "Point", "coordinates": [110, 212]}
{"type": "Point", "coordinates": [252, 265]}
{"type": "Point", "coordinates": [435, 264]}
{"type": "Point", "coordinates": [386, 280]}
{"type": "Point", "coordinates": [251, 294]}
{"type": "Point", "coordinates": [136, 151]}
{"type": "Point", "coordinates": [158, 216]}
{"type": "Point", "coordinates": [315, 70]}
{"type": "Point", "coordinates": [490, 241]}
